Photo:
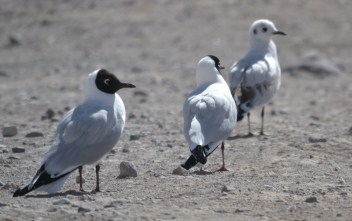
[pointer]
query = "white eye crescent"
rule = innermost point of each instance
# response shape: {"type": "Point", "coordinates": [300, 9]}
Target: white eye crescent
{"type": "Point", "coordinates": [107, 81]}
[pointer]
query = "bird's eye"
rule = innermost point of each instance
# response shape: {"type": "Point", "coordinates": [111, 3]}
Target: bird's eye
{"type": "Point", "coordinates": [265, 29]}
{"type": "Point", "coordinates": [107, 81]}
{"type": "Point", "coordinates": [255, 31]}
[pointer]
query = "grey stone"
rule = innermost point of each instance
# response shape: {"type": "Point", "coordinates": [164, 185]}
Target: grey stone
{"type": "Point", "coordinates": [317, 140]}
{"type": "Point", "coordinates": [227, 189]}
{"type": "Point", "coordinates": [2, 204]}
{"type": "Point", "coordinates": [305, 162]}
{"type": "Point", "coordinates": [62, 201]}
{"type": "Point", "coordinates": [9, 131]}
{"type": "Point", "coordinates": [49, 114]}
{"type": "Point", "coordinates": [83, 209]}
{"type": "Point", "coordinates": [3, 74]}
{"type": "Point", "coordinates": [312, 199]}
{"type": "Point", "coordinates": [2, 147]}
{"type": "Point", "coordinates": [140, 93]}
{"type": "Point", "coordinates": [18, 150]}
{"type": "Point", "coordinates": [113, 151]}
{"type": "Point", "coordinates": [134, 137]}
{"type": "Point", "coordinates": [2, 184]}
{"type": "Point", "coordinates": [180, 171]}
{"type": "Point", "coordinates": [34, 134]}
{"type": "Point", "coordinates": [127, 169]}
{"type": "Point", "coordinates": [125, 150]}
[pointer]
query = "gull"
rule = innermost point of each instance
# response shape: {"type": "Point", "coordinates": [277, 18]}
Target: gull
{"type": "Point", "coordinates": [257, 76]}
{"type": "Point", "coordinates": [84, 135]}
{"type": "Point", "coordinates": [209, 113]}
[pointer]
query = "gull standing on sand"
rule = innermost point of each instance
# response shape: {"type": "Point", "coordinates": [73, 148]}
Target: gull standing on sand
{"type": "Point", "coordinates": [258, 74]}
{"type": "Point", "coordinates": [209, 113]}
{"type": "Point", "coordinates": [84, 135]}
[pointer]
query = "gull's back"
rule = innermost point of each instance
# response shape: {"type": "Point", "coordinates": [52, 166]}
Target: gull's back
{"type": "Point", "coordinates": [209, 115]}
{"type": "Point", "coordinates": [84, 136]}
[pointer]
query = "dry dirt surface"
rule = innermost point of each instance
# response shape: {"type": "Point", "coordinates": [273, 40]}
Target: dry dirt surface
{"type": "Point", "coordinates": [300, 171]}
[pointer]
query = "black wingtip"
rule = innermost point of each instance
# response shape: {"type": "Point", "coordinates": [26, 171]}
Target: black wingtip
{"type": "Point", "coordinates": [240, 114]}
{"type": "Point", "coordinates": [239, 117]}
{"type": "Point", "coordinates": [21, 192]}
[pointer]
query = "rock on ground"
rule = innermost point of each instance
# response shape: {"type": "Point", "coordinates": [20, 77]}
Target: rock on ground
{"type": "Point", "coordinates": [127, 169]}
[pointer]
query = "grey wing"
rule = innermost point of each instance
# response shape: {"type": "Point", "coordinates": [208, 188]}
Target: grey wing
{"type": "Point", "coordinates": [80, 131]}
{"type": "Point", "coordinates": [236, 75]}
{"type": "Point", "coordinates": [254, 82]}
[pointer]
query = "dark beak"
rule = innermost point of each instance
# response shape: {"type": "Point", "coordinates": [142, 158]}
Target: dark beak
{"type": "Point", "coordinates": [127, 85]}
{"type": "Point", "coordinates": [279, 33]}
{"type": "Point", "coordinates": [121, 85]}
{"type": "Point", "coordinates": [221, 67]}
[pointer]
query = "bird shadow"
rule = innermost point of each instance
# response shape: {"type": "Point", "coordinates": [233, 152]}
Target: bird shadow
{"type": "Point", "coordinates": [67, 193]}
{"type": "Point", "coordinates": [241, 136]}
{"type": "Point", "coordinates": [202, 172]}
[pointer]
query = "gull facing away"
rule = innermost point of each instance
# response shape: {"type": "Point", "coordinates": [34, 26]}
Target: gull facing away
{"type": "Point", "coordinates": [257, 76]}
{"type": "Point", "coordinates": [209, 113]}
{"type": "Point", "coordinates": [84, 135]}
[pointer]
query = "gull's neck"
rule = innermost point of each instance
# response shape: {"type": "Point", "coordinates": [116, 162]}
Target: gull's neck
{"type": "Point", "coordinates": [206, 76]}
{"type": "Point", "coordinates": [262, 47]}
{"type": "Point", "coordinates": [100, 97]}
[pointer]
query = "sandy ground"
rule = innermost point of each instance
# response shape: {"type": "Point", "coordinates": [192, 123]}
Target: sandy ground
{"type": "Point", "coordinates": [300, 171]}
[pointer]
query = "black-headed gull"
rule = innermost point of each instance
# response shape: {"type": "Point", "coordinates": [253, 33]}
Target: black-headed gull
{"type": "Point", "coordinates": [84, 135]}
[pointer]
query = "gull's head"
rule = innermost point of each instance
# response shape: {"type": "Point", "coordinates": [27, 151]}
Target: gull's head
{"type": "Point", "coordinates": [207, 69]}
{"type": "Point", "coordinates": [263, 30]}
{"type": "Point", "coordinates": [103, 82]}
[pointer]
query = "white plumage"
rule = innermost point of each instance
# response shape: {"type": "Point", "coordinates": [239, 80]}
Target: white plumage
{"type": "Point", "coordinates": [209, 111]}
{"type": "Point", "coordinates": [258, 74]}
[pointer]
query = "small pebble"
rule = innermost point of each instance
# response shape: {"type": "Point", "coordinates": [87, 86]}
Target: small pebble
{"type": "Point", "coordinates": [2, 184]}
{"type": "Point", "coordinates": [9, 131]}
{"type": "Point", "coordinates": [18, 150]}
{"type": "Point", "coordinates": [13, 158]}
{"type": "Point", "coordinates": [3, 149]}
{"type": "Point", "coordinates": [135, 137]}
{"type": "Point", "coordinates": [83, 209]}
{"type": "Point", "coordinates": [127, 169]}
{"type": "Point", "coordinates": [268, 187]}
{"type": "Point", "coordinates": [34, 134]}
{"type": "Point", "coordinates": [308, 162]}
{"type": "Point", "coordinates": [180, 171]}
{"type": "Point", "coordinates": [317, 140]}
{"type": "Point", "coordinates": [62, 201]}
{"type": "Point", "coordinates": [227, 189]}
{"type": "Point", "coordinates": [49, 114]}
{"type": "Point", "coordinates": [13, 42]}
{"type": "Point", "coordinates": [125, 150]}
{"type": "Point", "coordinates": [312, 199]}
{"type": "Point", "coordinates": [140, 93]}
{"type": "Point", "coordinates": [132, 116]}
{"type": "Point", "coordinates": [113, 151]}
{"type": "Point", "coordinates": [52, 210]}
{"type": "Point", "coordinates": [350, 131]}
{"type": "Point", "coordinates": [3, 74]}
{"type": "Point", "coordinates": [2, 204]}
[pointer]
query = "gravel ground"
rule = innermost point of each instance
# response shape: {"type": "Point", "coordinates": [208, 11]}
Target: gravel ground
{"type": "Point", "coordinates": [300, 171]}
